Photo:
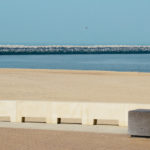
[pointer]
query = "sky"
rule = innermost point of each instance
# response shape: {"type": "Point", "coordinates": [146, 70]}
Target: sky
{"type": "Point", "coordinates": [75, 22]}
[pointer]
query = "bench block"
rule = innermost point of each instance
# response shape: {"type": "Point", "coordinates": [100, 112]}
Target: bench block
{"type": "Point", "coordinates": [139, 122]}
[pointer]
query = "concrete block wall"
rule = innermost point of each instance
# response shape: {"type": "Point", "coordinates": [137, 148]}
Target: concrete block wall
{"type": "Point", "coordinates": [52, 110]}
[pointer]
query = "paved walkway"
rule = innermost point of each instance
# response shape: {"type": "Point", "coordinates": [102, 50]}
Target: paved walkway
{"type": "Point", "coordinates": [67, 127]}
{"type": "Point", "coordinates": [24, 139]}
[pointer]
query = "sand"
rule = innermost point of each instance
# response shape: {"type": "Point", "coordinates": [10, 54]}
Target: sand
{"type": "Point", "coordinates": [27, 139]}
{"type": "Point", "coordinates": [61, 85]}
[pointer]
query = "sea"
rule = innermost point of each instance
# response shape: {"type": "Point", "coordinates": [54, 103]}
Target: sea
{"type": "Point", "coordinates": [105, 62]}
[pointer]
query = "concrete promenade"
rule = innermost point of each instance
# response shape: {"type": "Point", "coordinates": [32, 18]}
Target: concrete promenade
{"type": "Point", "coordinates": [35, 139]}
{"type": "Point", "coordinates": [67, 127]}
{"type": "Point", "coordinates": [88, 112]}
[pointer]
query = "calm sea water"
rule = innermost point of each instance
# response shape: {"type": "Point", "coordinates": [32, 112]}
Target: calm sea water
{"type": "Point", "coordinates": [109, 62]}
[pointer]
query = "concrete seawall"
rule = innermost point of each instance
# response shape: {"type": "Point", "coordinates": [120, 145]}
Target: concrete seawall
{"type": "Point", "coordinates": [88, 112]}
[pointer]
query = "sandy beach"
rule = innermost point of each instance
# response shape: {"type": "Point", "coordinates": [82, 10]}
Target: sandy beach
{"type": "Point", "coordinates": [27, 139]}
{"type": "Point", "coordinates": [61, 85]}
{"type": "Point", "coordinates": [68, 85]}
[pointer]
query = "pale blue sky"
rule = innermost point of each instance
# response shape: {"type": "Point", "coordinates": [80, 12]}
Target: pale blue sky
{"type": "Point", "coordinates": [75, 22]}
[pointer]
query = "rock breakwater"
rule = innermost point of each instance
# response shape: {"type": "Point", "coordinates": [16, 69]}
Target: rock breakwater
{"type": "Point", "coordinates": [113, 49]}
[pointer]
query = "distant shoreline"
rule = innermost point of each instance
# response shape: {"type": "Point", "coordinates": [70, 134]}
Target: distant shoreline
{"type": "Point", "coordinates": [58, 49]}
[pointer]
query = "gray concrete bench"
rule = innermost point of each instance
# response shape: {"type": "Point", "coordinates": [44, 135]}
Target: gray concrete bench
{"type": "Point", "coordinates": [139, 122]}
